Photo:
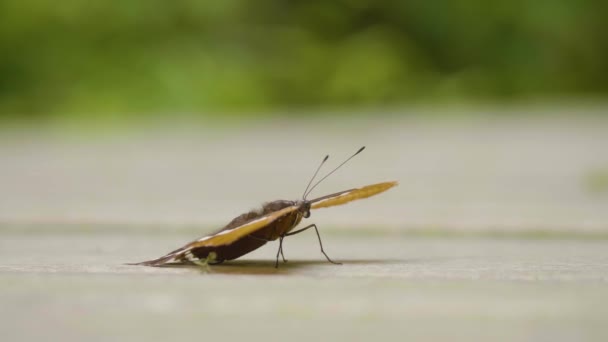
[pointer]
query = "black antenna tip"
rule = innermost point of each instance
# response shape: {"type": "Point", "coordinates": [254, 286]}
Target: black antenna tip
{"type": "Point", "coordinates": [325, 159]}
{"type": "Point", "coordinates": [361, 149]}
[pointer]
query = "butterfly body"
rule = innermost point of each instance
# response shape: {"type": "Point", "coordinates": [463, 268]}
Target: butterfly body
{"type": "Point", "coordinates": [253, 229]}
{"type": "Point", "coordinates": [216, 254]}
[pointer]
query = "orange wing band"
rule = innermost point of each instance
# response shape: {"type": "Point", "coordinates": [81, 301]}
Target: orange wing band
{"type": "Point", "coordinates": [355, 194]}
{"type": "Point", "coordinates": [229, 236]}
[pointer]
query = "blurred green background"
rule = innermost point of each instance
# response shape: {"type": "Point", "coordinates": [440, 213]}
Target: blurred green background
{"type": "Point", "coordinates": [80, 59]}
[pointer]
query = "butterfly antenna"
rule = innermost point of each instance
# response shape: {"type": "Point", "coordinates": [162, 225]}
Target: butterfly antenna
{"type": "Point", "coordinates": [315, 175]}
{"type": "Point", "coordinates": [332, 171]}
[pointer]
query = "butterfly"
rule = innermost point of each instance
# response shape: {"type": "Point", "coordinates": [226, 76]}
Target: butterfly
{"type": "Point", "coordinates": [274, 220]}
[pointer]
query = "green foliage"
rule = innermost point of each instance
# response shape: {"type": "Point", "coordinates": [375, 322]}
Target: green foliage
{"type": "Point", "coordinates": [82, 57]}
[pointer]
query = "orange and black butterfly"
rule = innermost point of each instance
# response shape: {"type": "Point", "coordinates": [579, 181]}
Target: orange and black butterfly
{"type": "Point", "coordinates": [275, 220]}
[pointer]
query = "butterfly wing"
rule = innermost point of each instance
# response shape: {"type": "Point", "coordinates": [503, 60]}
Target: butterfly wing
{"type": "Point", "coordinates": [221, 238]}
{"type": "Point", "coordinates": [229, 236]}
{"type": "Point", "coordinates": [346, 196]}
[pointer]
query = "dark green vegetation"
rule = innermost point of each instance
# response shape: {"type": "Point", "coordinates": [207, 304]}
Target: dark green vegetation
{"type": "Point", "coordinates": [82, 57]}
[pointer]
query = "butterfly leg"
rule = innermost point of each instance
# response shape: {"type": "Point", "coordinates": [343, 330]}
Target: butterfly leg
{"type": "Point", "coordinates": [280, 252]}
{"type": "Point", "coordinates": [318, 236]}
{"type": "Point", "coordinates": [282, 255]}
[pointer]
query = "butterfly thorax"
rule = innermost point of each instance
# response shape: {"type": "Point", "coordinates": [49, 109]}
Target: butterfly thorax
{"type": "Point", "coordinates": [279, 227]}
{"type": "Point", "coordinates": [283, 224]}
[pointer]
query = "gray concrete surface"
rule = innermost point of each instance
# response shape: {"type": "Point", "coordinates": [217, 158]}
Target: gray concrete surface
{"type": "Point", "coordinates": [470, 172]}
{"type": "Point", "coordinates": [498, 231]}
{"type": "Point", "coordinates": [75, 287]}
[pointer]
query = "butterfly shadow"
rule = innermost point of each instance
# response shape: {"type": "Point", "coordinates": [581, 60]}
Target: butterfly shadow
{"type": "Point", "coordinates": [267, 267]}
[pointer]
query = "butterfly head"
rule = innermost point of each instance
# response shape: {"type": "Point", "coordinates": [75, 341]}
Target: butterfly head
{"type": "Point", "coordinates": [304, 204]}
{"type": "Point", "coordinates": [304, 208]}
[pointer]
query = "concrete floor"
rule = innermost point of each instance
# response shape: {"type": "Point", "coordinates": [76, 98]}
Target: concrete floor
{"type": "Point", "coordinates": [509, 172]}
{"type": "Point", "coordinates": [75, 286]}
{"type": "Point", "coordinates": [498, 231]}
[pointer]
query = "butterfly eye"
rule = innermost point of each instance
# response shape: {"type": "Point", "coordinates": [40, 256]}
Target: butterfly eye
{"type": "Point", "coordinates": [307, 211]}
